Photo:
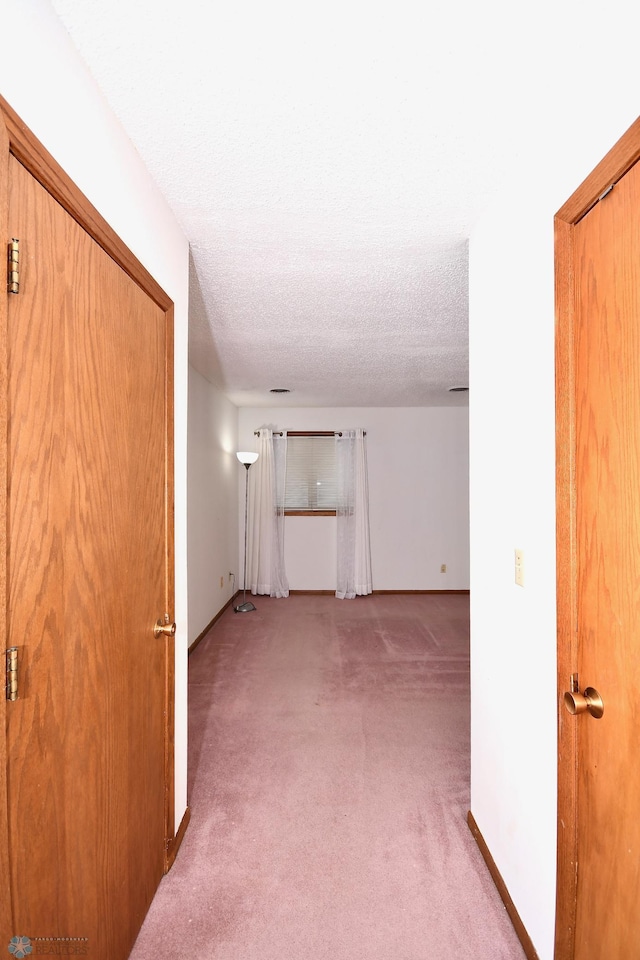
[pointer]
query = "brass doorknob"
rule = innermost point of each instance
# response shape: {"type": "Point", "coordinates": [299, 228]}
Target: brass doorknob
{"type": "Point", "coordinates": [163, 628]}
{"type": "Point", "coordinates": [590, 701]}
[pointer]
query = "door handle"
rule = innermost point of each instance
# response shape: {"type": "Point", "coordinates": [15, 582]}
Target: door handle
{"type": "Point", "coordinates": [164, 628]}
{"type": "Point", "coordinates": [589, 701]}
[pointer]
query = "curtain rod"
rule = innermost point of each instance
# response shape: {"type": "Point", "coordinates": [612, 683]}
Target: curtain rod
{"type": "Point", "coordinates": [307, 433]}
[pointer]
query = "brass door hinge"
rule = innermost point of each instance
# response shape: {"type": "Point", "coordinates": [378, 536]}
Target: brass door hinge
{"type": "Point", "coordinates": [13, 272]}
{"type": "Point", "coordinates": [12, 673]}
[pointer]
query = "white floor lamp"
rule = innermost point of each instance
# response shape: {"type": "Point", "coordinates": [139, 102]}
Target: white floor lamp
{"type": "Point", "coordinates": [247, 459]}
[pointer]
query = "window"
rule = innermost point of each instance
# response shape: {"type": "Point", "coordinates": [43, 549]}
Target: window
{"type": "Point", "coordinates": [311, 474]}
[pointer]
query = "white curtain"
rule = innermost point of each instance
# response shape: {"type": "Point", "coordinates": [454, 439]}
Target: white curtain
{"type": "Point", "coordinates": [352, 516]}
{"type": "Point", "coordinates": [266, 573]}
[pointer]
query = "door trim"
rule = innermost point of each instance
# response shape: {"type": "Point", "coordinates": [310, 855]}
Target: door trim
{"type": "Point", "coordinates": [615, 164]}
{"type": "Point", "coordinates": [32, 154]}
{"type": "Point", "coordinates": [5, 873]}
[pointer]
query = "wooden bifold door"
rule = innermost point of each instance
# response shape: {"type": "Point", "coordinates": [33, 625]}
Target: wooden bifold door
{"type": "Point", "coordinates": [87, 566]}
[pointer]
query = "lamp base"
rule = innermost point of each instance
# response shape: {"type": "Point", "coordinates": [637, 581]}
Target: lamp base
{"type": "Point", "coordinates": [244, 607]}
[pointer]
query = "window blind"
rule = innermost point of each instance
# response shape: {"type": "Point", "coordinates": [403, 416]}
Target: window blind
{"type": "Point", "coordinates": [311, 474]}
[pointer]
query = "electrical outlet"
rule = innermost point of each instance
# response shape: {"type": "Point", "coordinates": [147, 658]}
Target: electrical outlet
{"type": "Point", "coordinates": [443, 568]}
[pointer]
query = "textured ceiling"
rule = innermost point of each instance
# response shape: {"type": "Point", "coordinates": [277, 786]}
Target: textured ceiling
{"type": "Point", "coordinates": [323, 165]}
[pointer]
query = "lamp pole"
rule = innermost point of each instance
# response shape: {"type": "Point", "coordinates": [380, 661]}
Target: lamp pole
{"type": "Point", "coordinates": [246, 459]}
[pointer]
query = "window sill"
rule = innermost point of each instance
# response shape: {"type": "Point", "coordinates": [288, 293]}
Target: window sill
{"type": "Point", "coordinates": [310, 513]}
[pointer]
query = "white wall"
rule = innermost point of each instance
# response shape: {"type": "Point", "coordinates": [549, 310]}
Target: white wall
{"type": "Point", "coordinates": [213, 471]}
{"type": "Point", "coordinates": [44, 81]}
{"type": "Point", "coordinates": [562, 115]}
{"type": "Point", "coordinates": [418, 496]}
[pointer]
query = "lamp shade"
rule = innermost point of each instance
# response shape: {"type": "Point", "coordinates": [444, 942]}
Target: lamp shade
{"type": "Point", "coordinates": [245, 456]}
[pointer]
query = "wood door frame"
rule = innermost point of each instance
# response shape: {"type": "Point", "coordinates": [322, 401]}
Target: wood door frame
{"type": "Point", "coordinates": [5, 873]}
{"type": "Point", "coordinates": [617, 162]}
{"type": "Point", "coordinates": [17, 140]}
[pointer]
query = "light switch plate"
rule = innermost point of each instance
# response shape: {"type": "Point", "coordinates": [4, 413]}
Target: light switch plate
{"type": "Point", "coordinates": [520, 568]}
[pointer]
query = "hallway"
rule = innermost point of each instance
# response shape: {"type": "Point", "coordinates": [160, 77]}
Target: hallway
{"type": "Point", "coordinates": [329, 788]}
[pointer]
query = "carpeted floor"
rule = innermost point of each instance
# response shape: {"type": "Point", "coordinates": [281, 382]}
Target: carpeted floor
{"type": "Point", "coordinates": [329, 787]}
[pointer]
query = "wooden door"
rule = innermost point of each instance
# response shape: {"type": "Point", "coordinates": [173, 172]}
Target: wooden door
{"type": "Point", "coordinates": [88, 574]}
{"type": "Point", "coordinates": [599, 581]}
